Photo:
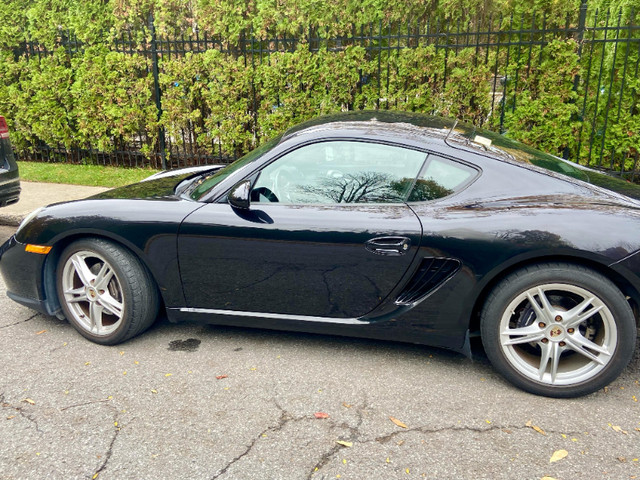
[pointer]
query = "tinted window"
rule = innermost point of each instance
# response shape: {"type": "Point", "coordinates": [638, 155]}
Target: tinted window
{"type": "Point", "coordinates": [439, 178]}
{"type": "Point", "coordinates": [340, 172]}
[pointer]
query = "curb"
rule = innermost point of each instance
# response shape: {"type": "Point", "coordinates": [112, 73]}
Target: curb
{"type": "Point", "coordinates": [11, 220]}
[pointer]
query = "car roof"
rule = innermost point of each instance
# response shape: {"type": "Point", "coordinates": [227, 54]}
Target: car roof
{"type": "Point", "coordinates": [366, 118]}
{"type": "Point", "coordinates": [412, 127]}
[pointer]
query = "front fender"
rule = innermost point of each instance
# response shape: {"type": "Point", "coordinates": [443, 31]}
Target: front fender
{"type": "Point", "coordinates": [148, 228]}
{"type": "Point", "coordinates": [629, 269]}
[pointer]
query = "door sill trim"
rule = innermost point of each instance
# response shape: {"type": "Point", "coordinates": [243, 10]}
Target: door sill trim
{"type": "Point", "coordinates": [277, 316]}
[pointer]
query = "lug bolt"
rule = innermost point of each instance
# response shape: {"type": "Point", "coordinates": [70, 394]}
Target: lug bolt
{"type": "Point", "coordinates": [562, 344]}
{"type": "Point", "coordinates": [101, 292]}
{"type": "Point", "coordinates": [571, 330]}
{"type": "Point", "coordinates": [558, 318]}
{"type": "Point", "coordinates": [545, 340]}
{"type": "Point", "coordinates": [542, 324]}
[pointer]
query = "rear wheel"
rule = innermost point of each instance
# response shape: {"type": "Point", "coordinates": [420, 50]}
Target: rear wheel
{"type": "Point", "coordinates": [105, 292]}
{"type": "Point", "coordinates": [559, 330]}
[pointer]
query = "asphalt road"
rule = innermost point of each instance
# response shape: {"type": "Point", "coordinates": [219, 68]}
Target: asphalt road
{"type": "Point", "coordinates": [157, 407]}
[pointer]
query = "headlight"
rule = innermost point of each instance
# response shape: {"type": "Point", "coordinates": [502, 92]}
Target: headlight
{"type": "Point", "coordinates": [28, 218]}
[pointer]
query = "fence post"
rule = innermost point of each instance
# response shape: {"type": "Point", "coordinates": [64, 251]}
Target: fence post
{"type": "Point", "coordinates": [582, 26]}
{"type": "Point", "coordinates": [582, 20]}
{"type": "Point", "coordinates": [156, 85]}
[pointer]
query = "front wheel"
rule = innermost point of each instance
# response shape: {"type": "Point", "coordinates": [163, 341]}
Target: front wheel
{"type": "Point", "coordinates": [105, 291]}
{"type": "Point", "coordinates": [558, 330]}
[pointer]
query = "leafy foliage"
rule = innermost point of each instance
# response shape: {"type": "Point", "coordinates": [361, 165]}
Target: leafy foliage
{"type": "Point", "coordinates": [39, 99]}
{"type": "Point", "coordinates": [209, 94]}
{"type": "Point", "coordinates": [296, 86]}
{"type": "Point", "coordinates": [100, 99]}
{"type": "Point", "coordinates": [221, 103]}
{"type": "Point", "coordinates": [543, 113]}
{"type": "Point", "coordinates": [124, 87]}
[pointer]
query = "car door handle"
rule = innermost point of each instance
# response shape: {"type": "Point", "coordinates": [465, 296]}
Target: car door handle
{"type": "Point", "coordinates": [391, 246]}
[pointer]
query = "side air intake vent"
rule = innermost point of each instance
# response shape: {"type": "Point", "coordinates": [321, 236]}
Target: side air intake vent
{"type": "Point", "coordinates": [432, 273]}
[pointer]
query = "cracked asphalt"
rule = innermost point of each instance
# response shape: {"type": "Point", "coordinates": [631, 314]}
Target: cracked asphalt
{"type": "Point", "coordinates": [204, 402]}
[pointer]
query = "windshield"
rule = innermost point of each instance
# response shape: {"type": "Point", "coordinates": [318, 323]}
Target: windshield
{"type": "Point", "coordinates": [202, 185]}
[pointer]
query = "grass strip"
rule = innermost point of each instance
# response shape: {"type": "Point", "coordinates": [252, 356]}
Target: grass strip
{"type": "Point", "coordinates": [92, 175]}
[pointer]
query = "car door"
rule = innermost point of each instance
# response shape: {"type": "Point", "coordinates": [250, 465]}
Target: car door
{"type": "Point", "coordinates": [327, 235]}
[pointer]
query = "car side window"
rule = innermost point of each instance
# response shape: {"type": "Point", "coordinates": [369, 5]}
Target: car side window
{"type": "Point", "coordinates": [440, 177]}
{"type": "Point", "coordinates": [340, 172]}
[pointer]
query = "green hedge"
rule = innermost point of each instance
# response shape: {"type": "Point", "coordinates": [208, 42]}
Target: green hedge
{"type": "Point", "coordinates": [219, 97]}
{"type": "Point", "coordinates": [96, 99]}
{"type": "Point", "coordinates": [544, 113]}
{"type": "Point", "coordinates": [93, 20]}
{"type": "Point", "coordinates": [224, 104]}
{"type": "Point", "coordinates": [209, 94]}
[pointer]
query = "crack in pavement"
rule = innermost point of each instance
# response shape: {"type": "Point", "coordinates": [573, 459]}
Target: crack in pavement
{"type": "Point", "coordinates": [424, 429]}
{"type": "Point", "coordinates": [30, 418]}
{"type": "Point", "coordinates": [21, 412]}
{"type": "Point", "coordinates": [85, 403]}
{"type": "Point", "coordinates": [354, 433]}
{"type": "Point", "coordinates": [107, 456]}
{"type": "Point", "coordinates": [285, 418]}
{"type": "Point", "coordinates": [21, 321]}
{"type": "Point", "coordinates": [355, 436]}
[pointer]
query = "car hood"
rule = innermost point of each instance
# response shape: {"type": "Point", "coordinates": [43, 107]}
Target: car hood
{"type": "Point", "coordinates": [158, 186]}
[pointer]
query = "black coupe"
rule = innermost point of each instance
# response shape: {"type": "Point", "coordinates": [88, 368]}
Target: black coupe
{"type": "Point", "coordinates": [373, 224]}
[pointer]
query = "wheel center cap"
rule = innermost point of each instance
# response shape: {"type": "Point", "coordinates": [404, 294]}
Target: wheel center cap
{"type": "Point", "coordinates": [555, 333]}
{"type": "Point", "coordinates": [92, 294]}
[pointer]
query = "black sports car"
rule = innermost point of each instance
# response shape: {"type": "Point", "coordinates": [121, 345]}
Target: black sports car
{"type": "Point", "coordinates": [9, 176]}
{"type": "Point", "coordinates": [371, 224]}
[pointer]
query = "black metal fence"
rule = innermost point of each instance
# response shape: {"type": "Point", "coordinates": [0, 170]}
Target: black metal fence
{"type": "Point", "coordinates": [605, 123]}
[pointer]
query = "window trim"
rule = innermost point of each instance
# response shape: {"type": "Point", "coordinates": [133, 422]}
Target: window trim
{"type": "Point", "coordinates": [463, 186]}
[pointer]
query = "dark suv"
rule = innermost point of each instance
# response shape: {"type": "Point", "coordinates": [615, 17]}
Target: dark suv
{"type": "Point", "coordinates": [9, 178]}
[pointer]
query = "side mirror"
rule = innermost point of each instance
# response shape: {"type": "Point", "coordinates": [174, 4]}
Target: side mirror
{"type": "Point", "coordinates": [239, 196]}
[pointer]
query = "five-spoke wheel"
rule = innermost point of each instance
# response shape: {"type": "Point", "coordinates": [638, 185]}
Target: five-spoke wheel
{"type": "Point", "coordinates": [92, 292]}
{"type": "Point", "coordinates": [558, 329]}
{"type": "Point", "coordinates": [105, 292]}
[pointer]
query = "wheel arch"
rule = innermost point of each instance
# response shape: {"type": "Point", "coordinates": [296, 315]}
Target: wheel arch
{"type": "Point", "coordinates": [625, 286]}
{"type": "Point", "coordinates": [51, 262]}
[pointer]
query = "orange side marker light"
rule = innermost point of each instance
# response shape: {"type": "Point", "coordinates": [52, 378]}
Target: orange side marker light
{"type": "Point", "coordinates": [41, 249]}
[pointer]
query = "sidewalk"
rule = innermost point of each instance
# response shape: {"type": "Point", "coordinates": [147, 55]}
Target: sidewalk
{"type": "Point", "coordinates": [36, 195]}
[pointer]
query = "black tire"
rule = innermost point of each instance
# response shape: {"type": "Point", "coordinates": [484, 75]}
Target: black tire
{"type": "Point", "coordinates": [587, 325]}
{"type": "Point", "coordinates": [105, 292]}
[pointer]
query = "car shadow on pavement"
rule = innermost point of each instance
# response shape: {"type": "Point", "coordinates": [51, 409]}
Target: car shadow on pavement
{"type": "Point", "coordinates": [312, 341]}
